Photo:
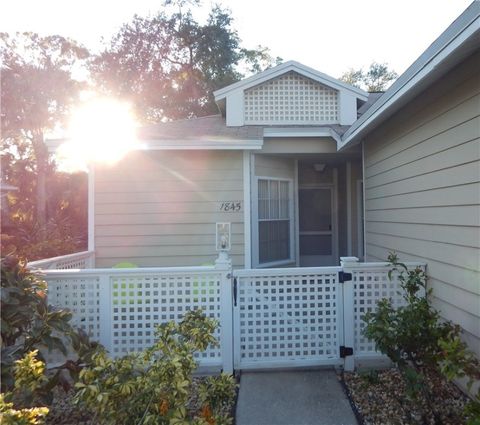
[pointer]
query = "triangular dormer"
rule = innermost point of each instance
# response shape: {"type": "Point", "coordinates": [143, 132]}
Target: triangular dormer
{"type": "Point", "coordinates": [289, 94]}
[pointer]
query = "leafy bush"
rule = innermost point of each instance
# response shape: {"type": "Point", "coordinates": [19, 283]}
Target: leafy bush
{"type": "Point", "coordinates": [158, 381]}
{"type": "Point", "coordinates": [29, 324]}
{"type": "Point", "coordinates": [415, 338]}
{"type": "Point", "coordinates": [29, 376]}
{"type": "Point", "coordinates": [459, 362]}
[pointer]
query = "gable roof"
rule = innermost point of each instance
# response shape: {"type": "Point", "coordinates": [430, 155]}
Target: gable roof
{"type": "Point", "coordinates": [285, 67]}
{"type": "Point", "coordinates": [455, 44]}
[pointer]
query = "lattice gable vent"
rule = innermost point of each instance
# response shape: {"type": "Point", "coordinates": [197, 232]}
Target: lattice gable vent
{"type": "Point", "coordinates": [291, 99]}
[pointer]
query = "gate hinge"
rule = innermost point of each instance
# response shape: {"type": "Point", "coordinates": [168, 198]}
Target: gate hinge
{"type": "Point", "coordinates": [344, 277]}
{"type": "Point", "coordinates": [345, 351]}
{"type": "Point", "coordinates": [234, 291]}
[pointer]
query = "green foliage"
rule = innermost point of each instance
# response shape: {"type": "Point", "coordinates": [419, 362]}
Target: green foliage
{"type": "Point", "coordinates": [26, 416]}
{"type": "Point", "coordinates": [415, 338]}
{"type": "Point", "coordinates": [156, 382]}
{"type": "Point", "coordinates": [29, 377]}
{"type": "Point", "coordinates": [169, 64]}
{"type": "Point", "coordinates": [28, 323]}
{"type": "Point", "coordinates": [459, 362]}
{"type": "Point", "coordinates": [37, 91]}
{"type": "Point", "coordinates": [408, 335]}
{"type": "Point", "coordinates": [214, 393]}
{"type": "Point", "coordinates": [376, 79]}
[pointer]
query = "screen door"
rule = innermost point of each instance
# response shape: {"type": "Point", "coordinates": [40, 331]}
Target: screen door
{"type": "Point", "coordinates": [316, 227]}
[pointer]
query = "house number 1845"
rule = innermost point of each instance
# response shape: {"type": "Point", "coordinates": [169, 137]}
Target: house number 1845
{"type": "Point", "coordinates": [235, 206]}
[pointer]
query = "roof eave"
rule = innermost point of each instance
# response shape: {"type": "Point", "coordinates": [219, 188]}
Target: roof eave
{"type": "Point", "coordinates": [431, 65]}
{"type": "Point", "coordinates": [178, 144]}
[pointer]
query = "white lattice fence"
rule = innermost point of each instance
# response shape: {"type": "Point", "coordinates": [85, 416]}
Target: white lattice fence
{"type": "Point", "coordinates": [78, 260]}
{"type": "Point", "coordinates": [287, 317]}
{"type": "Point", "coordinates": [370, 285]}
{"type": "Point", "coordinates": [141, 302]}
{"type": "Point", "coordinates": [121, 308]}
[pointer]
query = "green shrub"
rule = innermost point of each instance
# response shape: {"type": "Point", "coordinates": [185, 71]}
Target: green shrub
{"type": "Point", "coordinates": [459, 362]}
{"type": "Point", "coordinates": [29, 377]}
{"type": "Point", "coordinates": [415, 338]}
{"type": "Point", "coordinates": [154, 386]}
{"type": "Point", "coordinates": [28, 323]}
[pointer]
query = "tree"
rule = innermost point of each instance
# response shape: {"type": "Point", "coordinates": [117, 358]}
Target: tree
{"type": "Point", "coordinates": [37, 89]}
{"type": "Point", "coordinates": [169, 65]}
{"type": "Point", "coordinates": [378, 77]}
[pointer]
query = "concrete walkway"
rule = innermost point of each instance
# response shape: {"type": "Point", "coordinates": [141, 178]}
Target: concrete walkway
{"type": "Point", "coordinates": [293, 398]}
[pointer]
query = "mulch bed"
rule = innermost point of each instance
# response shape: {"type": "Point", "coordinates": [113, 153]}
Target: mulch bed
{"type": "Point", "coordinates": [380, 398]}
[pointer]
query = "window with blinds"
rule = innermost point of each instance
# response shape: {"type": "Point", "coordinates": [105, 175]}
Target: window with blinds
{"type": "Point", "coordinates": [273, 220]}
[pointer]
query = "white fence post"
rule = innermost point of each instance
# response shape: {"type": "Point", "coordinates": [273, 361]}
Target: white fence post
{"type": "Point", "coordinates": [348, 312]}
{"type": "Point", "coordinates": [223, 264]}
{"type": "Point", "coordinates": [105, 308]}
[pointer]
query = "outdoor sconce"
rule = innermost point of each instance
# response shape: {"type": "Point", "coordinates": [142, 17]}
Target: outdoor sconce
{"type": "Point", "coordinates": [223, 237]}
{"type": "Point", "coordinates": [319, 167]}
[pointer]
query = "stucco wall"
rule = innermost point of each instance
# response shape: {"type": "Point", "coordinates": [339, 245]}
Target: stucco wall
{"type": "Point", "coordinates": [160, 208]}
{"type": "Point", "coordinates": [422, 174]}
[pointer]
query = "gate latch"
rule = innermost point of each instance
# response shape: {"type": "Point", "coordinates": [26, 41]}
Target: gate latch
{"type": "Point", "coordinates": [344, 277]}
{"type": "Point", "coordinates": [345, 351]}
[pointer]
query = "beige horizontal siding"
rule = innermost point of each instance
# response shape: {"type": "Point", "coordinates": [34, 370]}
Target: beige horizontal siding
{"type": "Point", "coordinates": [160, 229]}
{"type": "Point", "coordinates": [208, 194]}
{"type": "Point", "coordinates": [456, 235]}
{"type": "Point", "coordinates": [160, 208]}
{"type": "Point", "coordinates": [422, 189]}
{"type": "Point", "coordinates": [438, 197]}
{"type": "Point", "coordinates": [170, 260]}
{"type": "Point", "coordinates": [277, 167]}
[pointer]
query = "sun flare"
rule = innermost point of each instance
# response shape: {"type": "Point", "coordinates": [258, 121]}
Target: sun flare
{"type": "Point", "coordinates": [100, 131]}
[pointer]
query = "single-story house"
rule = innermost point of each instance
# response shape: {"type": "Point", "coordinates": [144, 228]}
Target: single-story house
{"type": "Point", "coordinates": [308, 169]}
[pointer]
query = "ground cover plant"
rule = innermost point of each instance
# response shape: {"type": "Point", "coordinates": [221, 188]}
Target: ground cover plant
{"type": "Point", "coordinates": [427, 352]}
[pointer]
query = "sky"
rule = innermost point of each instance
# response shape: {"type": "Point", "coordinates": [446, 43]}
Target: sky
{"type": "Point", "coordinates": [330, 36]}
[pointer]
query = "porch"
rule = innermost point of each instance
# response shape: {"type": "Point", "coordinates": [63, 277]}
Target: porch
{"type": "Point", "coordinates": [306, 208]}
{"type": "Point", "coordinates": [268, 318]}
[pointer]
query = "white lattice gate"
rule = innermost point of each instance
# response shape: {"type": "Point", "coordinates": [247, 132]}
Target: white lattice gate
{"type": "Point", "coordinates": [287, 317]}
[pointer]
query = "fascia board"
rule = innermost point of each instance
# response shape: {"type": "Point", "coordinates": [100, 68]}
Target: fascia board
{"type": "Point", "coordinates": [301, 132]}
{"type": "Point", "coordinates": [284, 68]}
{"type": "Point", "coordinates": [201, 145]}
{"type": "Point", "coordinates": [450, 41]}
{"type": "Point", "coordinates": [174, 144]}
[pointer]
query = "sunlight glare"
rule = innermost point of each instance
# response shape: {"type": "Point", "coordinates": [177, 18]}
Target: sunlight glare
{"type": "Point", "coordinates": [101, 131]}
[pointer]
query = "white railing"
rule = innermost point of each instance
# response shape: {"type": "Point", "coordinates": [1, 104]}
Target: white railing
{"type": "Point", "coordinates": [370, 283]}
{"type": "Point", "coordinates": [267, 317]}
{"type": "Point", "coordinates": [78, 260]}
{"type": "Point", "coordinates": [121, 307]}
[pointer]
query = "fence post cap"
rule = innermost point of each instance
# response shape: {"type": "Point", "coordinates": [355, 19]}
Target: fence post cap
{"type": "Point", "coordinates": [347, 260]}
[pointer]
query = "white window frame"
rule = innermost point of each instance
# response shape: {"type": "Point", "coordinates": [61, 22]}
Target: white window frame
{"type": "Point", "coordinates": [255, 224]}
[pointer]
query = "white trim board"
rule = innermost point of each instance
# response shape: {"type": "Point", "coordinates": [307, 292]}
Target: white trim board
{"type": "Point", "coordinates": [283, 68]}
{"type": "Point", "coordinates": [91, 208]}
{"type": "Point", "coordinates": [255, 221]}
{"type": "Point", "coordinates": [247, 209]}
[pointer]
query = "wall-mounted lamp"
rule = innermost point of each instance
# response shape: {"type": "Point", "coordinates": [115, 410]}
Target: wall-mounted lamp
{"type": "Point", "coordinates": [319, 167]}
{"type": "Point", "coordinates": [223, 237]}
